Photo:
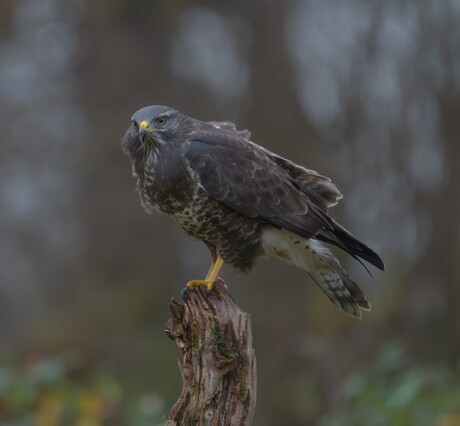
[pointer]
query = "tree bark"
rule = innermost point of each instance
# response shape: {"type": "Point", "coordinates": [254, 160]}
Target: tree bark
{"type": "Point", "coordinates": [218, 362]}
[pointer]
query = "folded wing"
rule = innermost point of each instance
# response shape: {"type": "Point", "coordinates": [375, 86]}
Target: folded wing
{"type": "Point", "coordinates": [260, 184]}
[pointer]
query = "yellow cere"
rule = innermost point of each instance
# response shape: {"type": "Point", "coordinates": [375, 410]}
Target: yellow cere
{"type": "Point", "coordinates": [144, 124]}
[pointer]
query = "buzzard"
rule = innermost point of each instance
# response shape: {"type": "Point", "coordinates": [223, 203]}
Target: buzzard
{"type": "Point", "coordinates": [242, 200]}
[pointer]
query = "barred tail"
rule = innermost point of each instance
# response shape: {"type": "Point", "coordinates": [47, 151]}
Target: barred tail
{"type": "Point", "coordinates": [326, 271]}
{"type": "Point", "coordinates": [322, 266]}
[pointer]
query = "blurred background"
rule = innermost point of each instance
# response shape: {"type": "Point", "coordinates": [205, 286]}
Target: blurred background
{"type": "Point", "coordinates": [367, 93]}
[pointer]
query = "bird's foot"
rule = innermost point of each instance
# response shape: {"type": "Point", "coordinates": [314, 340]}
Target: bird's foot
{"type": "Point", "coordinates": [196, 283]}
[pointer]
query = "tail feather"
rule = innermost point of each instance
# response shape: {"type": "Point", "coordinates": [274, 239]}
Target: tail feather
{"type": "Point", "coordinates": [322, 266]}
{"type": "Point", "coordinates": [345, 240]}
{"type": "Point", "coordinates": [326, 271]}
{"type": "Point", "coordinates": [342, 291]}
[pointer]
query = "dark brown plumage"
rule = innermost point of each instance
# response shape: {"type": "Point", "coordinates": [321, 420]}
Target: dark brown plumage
{"type": "Point", "coordinates": [242, 200]}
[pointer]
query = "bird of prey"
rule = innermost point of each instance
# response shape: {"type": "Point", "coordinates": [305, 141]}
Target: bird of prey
{"type": "Point", "coordinates": [243, 201]}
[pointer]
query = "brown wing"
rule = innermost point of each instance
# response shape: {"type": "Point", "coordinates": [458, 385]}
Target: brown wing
{"type": "Point", "coordinates": [260, 184]}
{"type": "Point", "coordinates": [228, 125]}
{"type": "Point", "coordinates": [309, 180]}
{"type": "Point", "coordinates": [241, 175]}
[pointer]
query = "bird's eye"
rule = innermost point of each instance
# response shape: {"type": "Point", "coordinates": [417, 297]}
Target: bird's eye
{"type": "Point", "coordinates": [160, 121]}
{"type": "Point", "coordinates": [134, 123]}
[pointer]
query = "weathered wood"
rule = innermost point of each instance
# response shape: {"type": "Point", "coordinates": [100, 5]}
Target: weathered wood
{"type": "Point", "coordinates": [218, 362]}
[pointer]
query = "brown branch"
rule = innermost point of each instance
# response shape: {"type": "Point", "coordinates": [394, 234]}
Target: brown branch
{"type": "Point", "coordinates": [218, 362]}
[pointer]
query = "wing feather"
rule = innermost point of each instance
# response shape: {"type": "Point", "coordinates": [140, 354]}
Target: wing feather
{"type": "Point", "coordinates": [243, 177]}
{"type": "Point", "coordinates": [310, 181]}
{"type": "Point", "coordinates": [228, 125]}
{"type": "Point", "coordinates": [260, 184]}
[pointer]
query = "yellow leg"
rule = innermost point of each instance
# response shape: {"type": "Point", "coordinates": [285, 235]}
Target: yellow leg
{"type": "Point", "coordinates": [210, 278]}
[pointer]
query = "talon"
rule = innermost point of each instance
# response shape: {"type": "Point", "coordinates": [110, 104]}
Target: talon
{"type": "Point", "coordinates": [210, 278]}
{"type": "Point", "coordinates": [196, 283]}
{"type": "Point", "coordinates": [184, 293]}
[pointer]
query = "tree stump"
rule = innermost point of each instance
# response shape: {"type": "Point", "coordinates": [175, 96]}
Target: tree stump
{"type": "Point", "coordinates": [218, 362]}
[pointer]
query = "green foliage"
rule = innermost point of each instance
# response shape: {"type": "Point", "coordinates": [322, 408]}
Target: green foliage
{"type": "Point", "coordinates": [395, 391]}
{"type": "Point", "coordinates": [54, 392]}
{"type": "Point", "coordinates": [392, 390]}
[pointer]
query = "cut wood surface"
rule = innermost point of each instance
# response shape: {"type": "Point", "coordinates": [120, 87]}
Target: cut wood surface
{"type": "Point", "coordinates": [217, 363]}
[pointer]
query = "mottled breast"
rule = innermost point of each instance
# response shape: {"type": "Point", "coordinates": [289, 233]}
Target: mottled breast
{"type": "Point", "coordinates": [178, 193]}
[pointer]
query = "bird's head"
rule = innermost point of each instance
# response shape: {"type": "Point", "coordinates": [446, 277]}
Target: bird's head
{"type": "Point", "coordinates": [153, 127]}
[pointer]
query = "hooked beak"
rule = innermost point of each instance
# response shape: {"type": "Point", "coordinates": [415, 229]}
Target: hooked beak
{"type": "Point", "coordinates": [143, 134]}
{"type": "Point", "coordinates": [143, 130]}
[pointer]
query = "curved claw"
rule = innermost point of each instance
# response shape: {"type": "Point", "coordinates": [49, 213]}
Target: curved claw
{"type": "Point", "coordinates": [196, 283]}
{"type": "Point", "coordinates": [184, 293]}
